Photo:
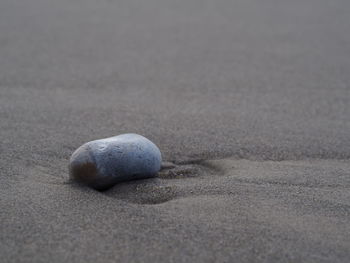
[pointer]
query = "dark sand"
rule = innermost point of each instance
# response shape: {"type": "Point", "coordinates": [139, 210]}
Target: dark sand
{"type": "Point", "coordinates": [250, 98]}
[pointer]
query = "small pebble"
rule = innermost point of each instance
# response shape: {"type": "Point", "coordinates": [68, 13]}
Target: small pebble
{"type": "Point", "coordinates": [103, 163]}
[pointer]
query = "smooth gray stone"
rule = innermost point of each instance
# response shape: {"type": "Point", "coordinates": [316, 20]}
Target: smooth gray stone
{"type": "Point", "coordinates": [102, 163]}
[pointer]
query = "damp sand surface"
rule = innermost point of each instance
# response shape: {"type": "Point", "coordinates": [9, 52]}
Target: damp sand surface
{"type": "Point", "coordinates": [213, 210]}
{"type": "Point", "coordinates": [248, 101]}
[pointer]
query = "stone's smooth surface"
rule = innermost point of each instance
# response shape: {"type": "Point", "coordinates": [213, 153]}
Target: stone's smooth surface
{"type": "Point", "coordinates": [103, 163]}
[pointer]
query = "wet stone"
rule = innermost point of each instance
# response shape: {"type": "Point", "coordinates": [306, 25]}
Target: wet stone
{"type": "Point", "coordinates": [103, 163]}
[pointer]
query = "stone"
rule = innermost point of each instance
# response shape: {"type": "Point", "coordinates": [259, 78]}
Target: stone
{"type": "Point", "coordinates": [103, 163]}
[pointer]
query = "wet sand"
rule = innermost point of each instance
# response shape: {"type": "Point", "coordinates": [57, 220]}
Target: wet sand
{"type": "Point", "coordinates": [250, 100]}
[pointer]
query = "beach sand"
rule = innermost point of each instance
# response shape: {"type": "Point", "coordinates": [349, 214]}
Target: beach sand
{"type": "Point", "coordinates": [249, 99]}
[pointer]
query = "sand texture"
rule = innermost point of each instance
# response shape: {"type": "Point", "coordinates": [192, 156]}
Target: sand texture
{"type": "Point", "coordinates": [248, 101]}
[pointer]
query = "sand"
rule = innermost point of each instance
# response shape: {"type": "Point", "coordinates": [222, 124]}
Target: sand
{"type": "Point", "coordinates": [249, 99]}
